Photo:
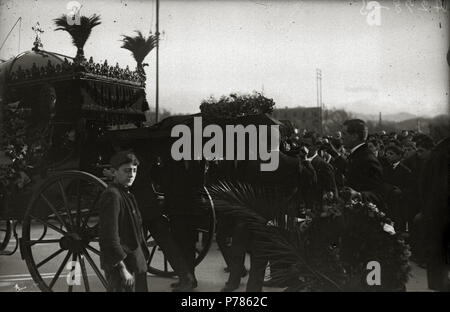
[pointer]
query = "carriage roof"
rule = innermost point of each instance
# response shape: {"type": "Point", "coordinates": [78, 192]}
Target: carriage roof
{"type": "Point", "coordinates": [163, 129]}
{"type": "Point", "coordinates": [96, 91]}
{"type": "Point", "coordinates": [46, 62]}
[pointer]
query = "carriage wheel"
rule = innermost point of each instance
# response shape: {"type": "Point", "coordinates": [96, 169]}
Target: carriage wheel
{"type": "Point", "coordinates": [158, 264]}
{"type": "Point", "coordinates": [5, 233]}
{"type": "Point", "coordinates": [60, 233]}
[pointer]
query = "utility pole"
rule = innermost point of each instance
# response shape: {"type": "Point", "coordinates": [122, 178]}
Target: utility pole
{"type": "Point", "coordinates": [319, 96]}
{"type": "Point", "coordinates": [157, 63]}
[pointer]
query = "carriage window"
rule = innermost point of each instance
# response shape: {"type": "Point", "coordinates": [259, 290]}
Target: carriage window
{"type": "Point", "coordinates": [43, 104]}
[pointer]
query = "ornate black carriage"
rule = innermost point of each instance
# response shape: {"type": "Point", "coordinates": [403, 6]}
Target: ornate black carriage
{"type": "Point", "coordinates": [62, 120]}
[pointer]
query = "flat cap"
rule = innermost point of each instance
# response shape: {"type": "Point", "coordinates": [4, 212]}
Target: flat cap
{"type": "Point", "coordinates": [123, 157]}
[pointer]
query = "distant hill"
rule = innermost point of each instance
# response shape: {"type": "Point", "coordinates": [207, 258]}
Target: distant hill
{"type": "Point", "coordinates": [412, 123]}
{"type": "Point", "coordinates": [438, 126]}
{"type": "Point", "coordinates": [398, 117]}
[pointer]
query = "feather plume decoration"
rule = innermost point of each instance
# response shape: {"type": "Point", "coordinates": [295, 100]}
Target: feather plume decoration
{"type": "Point", "coordinates": [79, 33]}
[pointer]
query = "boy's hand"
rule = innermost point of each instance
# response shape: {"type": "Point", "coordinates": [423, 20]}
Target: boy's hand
{"type": "Point", "coordinates": [127, 277]}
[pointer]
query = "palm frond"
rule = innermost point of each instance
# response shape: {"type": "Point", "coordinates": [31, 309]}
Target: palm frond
{"type": "Point", "coordinates": [255, 206]}
{"type": "Point", "coordinates": [79, 33]}
{"type": "Point", "coordinates": [139, 46]}
{"type": "Point", "coordinates": [269, 202]}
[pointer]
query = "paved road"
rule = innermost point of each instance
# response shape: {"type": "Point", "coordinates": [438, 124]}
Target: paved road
{"type": "Point", "coordinates": [14, 275]}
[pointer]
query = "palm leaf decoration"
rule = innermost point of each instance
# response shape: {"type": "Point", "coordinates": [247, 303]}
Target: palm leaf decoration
{"type": "Point", "coordinates": [325, 253]}
{"type": "Point", "coordinates": [255, 206]}
{"type": "Point", "coordinates": [79, 33]}
{"type": "Point", "coordinates": [139, 46]}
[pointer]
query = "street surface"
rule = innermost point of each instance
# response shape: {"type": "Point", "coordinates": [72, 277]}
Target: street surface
{"type": "Point", "coordinates": [15, 276]}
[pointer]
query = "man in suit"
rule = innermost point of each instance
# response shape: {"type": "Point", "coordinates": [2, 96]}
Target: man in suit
{"type": "Point", "coordinates": [185, 180]}
{"type": "Point", "coordinates": [122, 244]}
{"type": "Point", "coordinates": [417, 163]}
{"type": "Point", "coordinates": [338, 163]}
{"type": "Point", "coordinates": [434, 186]}
{"type": "Point", "coordinates": [399, 177]}
{"type": "Point", "coordinates": [157, 223]}
{"type": "Point", "coordinates": [395, 172]}
{"type": "Point", "coordinates": [225, 226]}
{"type": "Point", "coordinates": [364, 173]}
{"type": "Point", "coordinates": [324, 184]}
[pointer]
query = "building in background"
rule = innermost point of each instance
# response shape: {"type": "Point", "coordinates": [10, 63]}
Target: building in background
{"type": "Point", "coordinates": [308, 118]}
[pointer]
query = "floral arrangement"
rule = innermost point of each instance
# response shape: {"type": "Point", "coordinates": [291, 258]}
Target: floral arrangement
{"type": "Point", "coordinates": [346, 237]}
{"type": "Point", "coordinates": [23, 146]}
{"type": "Point", "coordinates": [233, 106]}
{"type": "Point", "coordinates": [329, 251]}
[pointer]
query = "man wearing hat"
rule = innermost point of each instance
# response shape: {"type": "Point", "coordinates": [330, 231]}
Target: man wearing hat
{"type": "Point", "coordinates": [122, 244]}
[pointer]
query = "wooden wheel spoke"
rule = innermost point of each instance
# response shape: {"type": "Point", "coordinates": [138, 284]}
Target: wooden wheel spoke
{"type": "Point", "coordinates": [66, 203]}
{"type": "Point", "coordinates": [152, 253]}
{"type": "Point", "coordinates": [84, 273]}
{"type": "Point", "coordinates": [94, 267]}
{"type": "Point", "coordinates": [42, 241]}
{"type": "Point", "coordinates": [53, 227]}
{"type": "Point", "coordinates": [63, 264]}
{"type": "Point", "coordinates": [54, 210]}
{"type": "Point", "coordinates": [91, 210]}
{"type": "Point", "coordinates": [165, 264]}
{"type": "Point", "coordinates": [97, 252]}
{"type": "Point", "coordinates": [49, 258]}
{"type": "Point", "coordinates": [78, 202]}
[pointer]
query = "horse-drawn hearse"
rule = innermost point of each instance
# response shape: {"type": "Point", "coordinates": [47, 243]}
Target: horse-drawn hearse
{"type": "Point", "coordinates": [62, 119]}
{"type": "Point", "coordinates": [58, 118]}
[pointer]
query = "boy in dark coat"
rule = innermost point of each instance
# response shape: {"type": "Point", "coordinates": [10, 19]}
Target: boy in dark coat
{"type": "Point", "coordinates": [122, 244]}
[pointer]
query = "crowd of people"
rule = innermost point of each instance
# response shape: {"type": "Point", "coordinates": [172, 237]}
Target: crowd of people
{"type": "Point", "coordinates": [387, 169]}
{"type": "Point", "coordinates": [391, 171]}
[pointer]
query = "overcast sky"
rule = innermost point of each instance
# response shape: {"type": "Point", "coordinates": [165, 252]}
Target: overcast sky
{"type": "Point", "coordinates": [219, 47]}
